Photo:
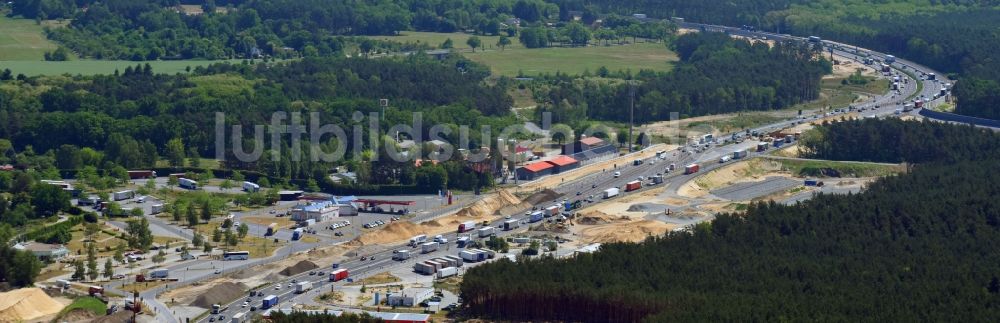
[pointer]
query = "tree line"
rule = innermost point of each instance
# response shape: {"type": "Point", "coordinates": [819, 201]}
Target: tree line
{"type": "Point", "coordinates": [715, 74]}
{"type": "Point", "coordinates": [927, 234]}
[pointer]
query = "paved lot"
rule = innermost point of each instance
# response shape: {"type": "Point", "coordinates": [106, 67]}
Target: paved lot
{"type": "Point", "coordinates": [748, 191]}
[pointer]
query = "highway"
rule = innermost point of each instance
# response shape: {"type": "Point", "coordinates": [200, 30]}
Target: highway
{"type": "Point", "coordinates": [595, 184]}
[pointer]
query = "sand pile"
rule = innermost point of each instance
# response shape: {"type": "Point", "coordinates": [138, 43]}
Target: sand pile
{"type": "Point", "coordinates": [26, 304]}
{"type": "Point", "coordinates": [490, 205]}
{"type": "Point", "coordinates": [300, 267]}
{"type": "Point", "coordinates": [220, 294]}
{"type": "Point", "coordinates": [624, 231]}
{"type": "Point", "coordinates": [118, 317]}
{"type": "Point", "coordinates": [598, 217]}
{"type": "Point", "coordinates": [543, 196]}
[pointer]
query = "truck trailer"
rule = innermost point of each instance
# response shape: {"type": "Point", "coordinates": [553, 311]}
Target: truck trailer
{"type": "Point", "coordinates": [251, 187]}
{"type": "Point", "coordinates": [123, 195]}
{"type": "Point", "coordinates": [632, 186]}
{"type": "Point", "coordinates": [466, 226]}
{"type": "Point", "coordinates": [739, 154]}
{"type": "Point", "coordinates": [187, 183]}
{"type": "Point", "coordinates": [510, 224]}
{"type": "Point", "coordinates": [297, 234]}
{"type": "Point", "coordinates": [427, 247]}
{"type": "Point", "coordinates": [447, 272]}
{"type": "Point", "coordinates": [339, 274]}
{"type": "Point", "coordinates": [611, 192]}
{"type": "Point", "coordinates": [417, 240]}
{"type": "Point", "coordinates": [536, 216]}
{"type": "Point", "coordinates": [486, 231]}
{"type": "Point", "coordinates": [691, 169]}
{"type": "Point", "coordinates": [303, 287]}
{"type": "Point", "coordinates": [268, 302]}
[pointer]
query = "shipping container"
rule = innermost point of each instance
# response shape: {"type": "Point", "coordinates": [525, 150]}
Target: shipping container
{"type": "Point", "coordinates": [611, 192]}
{"type": "Point", "coordinates": [269, 301]}
{"type": "Point", "coordinates": [486, 231]}
{"type": "Point", "coordinates": [467, 226]}
{"type": "Point", "coordinates": [691, 169]}
{"type": "Point", "coordinates": [339, 274]}
{"type": "Point", "coordinates": [424, 268]}
{"type": "Point", "coordinates": [428, 247]}
{"type": "Point", "coordinates": [474, 255]}
{"type": "Point", "coordinates": [511, 224]}
{"type": "Point", "coordinates": [447, 272]}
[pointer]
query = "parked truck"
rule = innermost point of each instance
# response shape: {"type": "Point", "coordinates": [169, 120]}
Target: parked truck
{"type": "Point", "coordinates": [251, 187]}
{"type": "Point", "coordinates": [632, 186]}
{"type": "Point", "coordinates": [156, 209]}
{"type": "Point", "coordinates": [611, 192]}
{"type": "Point", "coordinates": [339, 274]}
{"type": "Point", "coordinates": [141, 174]}
{"type": "Point", "coordinates": [187, 183]}
{"type": "Point", "coordinates": [271, 229]}
{"type": "Point", "coordinates": [302, 287]}
{"type": "Point", "coordinates": [467, 226]}
{"type": "Point", "coordinates": [269, 301]}
{"type": "Point", "coordinates": [297, 234]}
{"type": "Point", "coordinates": [691, 169]}
{"type": "Point", "coordinates": [510, 224]}
{"type": "Point", "coordinates": [657, 179]}
{"type": "Point", "coordinates": [486, 231]}
{"type": "Point", "coordinates": [123, 195]}
{"type": "Point", "coordinates": [428, 247]}
{"type": "Point", "coordinates": [447, 272]}
{"type": "Point", "coordinates": [417, 240]}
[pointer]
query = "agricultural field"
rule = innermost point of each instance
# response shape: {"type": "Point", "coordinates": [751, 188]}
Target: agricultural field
{"type": "Point", "coordinates": [92, 67]}
{"type": "Point", "coordinates": [22, 39]}
{"type": "Point", "coordinates": [576, 60]}
{"type": "Point", "coordinates": [436, 39]}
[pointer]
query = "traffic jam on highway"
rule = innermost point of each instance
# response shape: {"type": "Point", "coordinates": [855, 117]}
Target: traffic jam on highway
{"type": "Point", "coordinates": [442, 254]}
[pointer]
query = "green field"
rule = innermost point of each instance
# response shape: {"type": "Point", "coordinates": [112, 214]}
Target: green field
{"type": "Point", "coordinates": [22, 39]}
{"type": "Point", "coordinates": [86, 303]}
{"type": "Point", "coordinates": [576, 60]}
{"type": "Point", "coordinates": [91, 67]}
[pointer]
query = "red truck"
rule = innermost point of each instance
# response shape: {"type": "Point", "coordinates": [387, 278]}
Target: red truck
{"type": "Point", "coordinates": [691, 169]}
{"type": "Point", "coordinates": [139, 174]}
{"type": "Point", "coordinates": [466, 226]}
{"type": "Point", "coordinates": [633, 185]}
{"type": "Point", "coordinates": [338, 275]}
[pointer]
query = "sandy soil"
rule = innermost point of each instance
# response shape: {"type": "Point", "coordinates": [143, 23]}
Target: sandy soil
{"type": "Point", "coordinates": [554, 180]}
{"type": "Point", "coordinates": [27, 304]}
{"type": "Point", "coordinates": [631, 231]}
{"type": "Point", "coordinates": [746, 171]}
{"type": "Point", "coordinates": [846, 68]}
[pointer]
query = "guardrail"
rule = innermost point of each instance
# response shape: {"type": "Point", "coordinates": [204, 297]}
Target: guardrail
{"type": "Point", "coordinates": [945, 116]}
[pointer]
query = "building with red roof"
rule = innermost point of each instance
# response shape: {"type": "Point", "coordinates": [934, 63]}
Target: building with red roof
{"type": "Point", "coordinates": [563, 163]}
{"type": "Point", "coordinates": [535, 170]}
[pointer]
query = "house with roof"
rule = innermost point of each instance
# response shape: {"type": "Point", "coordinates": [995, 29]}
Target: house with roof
{"type": "Point", "coordinates": [44, 251]}
{"type": "Point", "coordinates": [535, 170]}
{"type": "Point", "coordinates": [563, 163]}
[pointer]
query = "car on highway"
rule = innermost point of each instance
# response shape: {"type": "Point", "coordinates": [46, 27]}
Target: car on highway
{"type": "Point", "coordinates": [245, 304]}
{"type": "Point", "coordinates": [618, 174]}
{"type": "Point", "coordinates": [211, 319]}
{"type": "Point", "coordinates": [253, 308]}
{"type": "Point", "coordinates": [218, 271]}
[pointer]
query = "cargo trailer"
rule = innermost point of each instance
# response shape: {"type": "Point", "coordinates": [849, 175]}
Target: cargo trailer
{"type": "Point", "coordinates": [339, 274]}
{"type": "Point", "coordinates": [691, 169]}
{"type": "Point", "coordinates": [466, 226]}
{"type": "Point", "coordinates": [269, 301]}
{"type": "Point", "coordinates": [632, 186]}
{"type": "Point", "coordinates": [611, 192]}
{"type": "Point", "coordinates": [428, 247]}
{"type": "Point", "coordinates": [447, 272]}
{"type": "Point", "coordinates": [511, 224]}
{"type": "Point", "coordinates": [486, 231]}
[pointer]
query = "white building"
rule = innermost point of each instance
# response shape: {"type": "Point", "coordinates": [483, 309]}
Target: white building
{"type": "Point", "coordinates": [43, 251]}
{"type": "Point", "coordinates": [409, 296]}
{"type": "Point", "coordinates": [318, 211]}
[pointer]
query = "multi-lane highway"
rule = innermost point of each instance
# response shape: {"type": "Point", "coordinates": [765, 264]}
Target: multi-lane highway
{"type": "Point", "coordinates": [595, 184]}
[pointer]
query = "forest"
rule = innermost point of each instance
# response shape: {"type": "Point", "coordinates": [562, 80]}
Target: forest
{"type": "Point", "coordinates": [929, 234]}
{"type": "Point", "coordinates": [136, 118]}
{"type": "Point", "coordinates": [715, 74]}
